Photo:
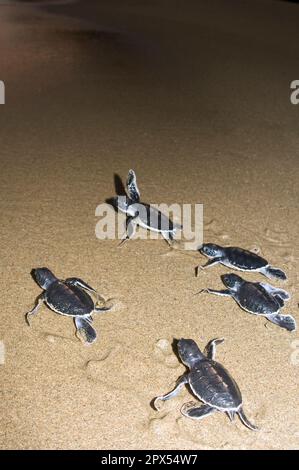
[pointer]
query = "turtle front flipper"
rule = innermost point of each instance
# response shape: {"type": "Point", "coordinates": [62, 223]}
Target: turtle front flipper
{"type": "Point", "coordinates": [208, 264]}
{"type": "Point", "coordinates": [284, 321]}
{"type": "Point", "coordinates": [283, 294]}
{"type": "Point", "coordinates": [223, 292]}
{"type": "Point", "coordinates": [87, 332]}
{"type": "Point", "coordinates": [130, 229]}
{"type": "Point", "coordinates": [180, 384]}
{"type": "Point", "coordinates": [39, 301]}
{"type": "Point", "coordinates": [192, 410]}
{"type": "Point", "coordinates": [246, 421]}
{"type": "Point", "coordinates": [75, 281]}
{"type": "Point", "coordinates": [133, 191]}
{"type": "Point", "coordinates": [210, 349]}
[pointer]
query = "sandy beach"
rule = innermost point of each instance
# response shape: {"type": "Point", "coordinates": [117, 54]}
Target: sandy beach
{"type": "Point", "coordinates": [196, 99]}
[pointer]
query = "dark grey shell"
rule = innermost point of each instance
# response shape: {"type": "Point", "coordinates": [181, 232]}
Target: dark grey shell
{"type": "Point", "coordinates": [68, 299]}
{"type": "Point", "coordinates": [243, 259]}
{"type": "Point", "coordinates": [153, 218]}
{"type": "Point", "coordinates": [213, 384]}
{"type": "Point", "coordinates": [254, 298]}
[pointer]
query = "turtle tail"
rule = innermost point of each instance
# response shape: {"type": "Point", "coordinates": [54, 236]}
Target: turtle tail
{"type": "Point", "coordinates": [275, 273]}
{"type": "Point", "coordinates": [246, 421]}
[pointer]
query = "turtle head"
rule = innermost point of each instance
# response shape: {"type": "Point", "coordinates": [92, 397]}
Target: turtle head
{"type": "Point", "coordinates": [211, 250]}
{"type": "Point", "coordinates": [232, 281]}
{"type": "Point", "coordinates": [189, 352]}
{"type": "Point", "coordinates": [43, 276]}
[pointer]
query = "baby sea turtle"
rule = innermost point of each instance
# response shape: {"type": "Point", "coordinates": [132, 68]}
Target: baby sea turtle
{"type": "Point", "coordinates": [209, 381]}
{"type": "Point", "coordinates": [68, 298]}
{"type": "Point", "coordinates": [258, 298]}
{"type": "Point", "coordinates": [238, 258]}
{"type": "Point", "coordinates": [143, 214]}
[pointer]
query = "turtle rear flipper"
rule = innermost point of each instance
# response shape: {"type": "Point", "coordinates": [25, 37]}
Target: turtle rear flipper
{"type": "Point", "coordinates": [246, 421]}
{"type": "Point", "coordinates": [191, 410]}
{"type": "Point", "coordinates": [133, 191]}
{"type": "Point", "coordinates": [284, 321]}
{"type": "Point", "coordinates": [274, 273]}
{"type": "Point", "coordinates": [85, 329]}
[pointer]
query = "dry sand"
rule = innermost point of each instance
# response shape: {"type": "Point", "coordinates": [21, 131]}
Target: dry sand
{"type": "Point", "coordinates": [195, 98]}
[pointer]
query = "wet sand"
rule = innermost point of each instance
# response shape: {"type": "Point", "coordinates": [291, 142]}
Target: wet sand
{"type": "Point", "coordinates": [196, 100]}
